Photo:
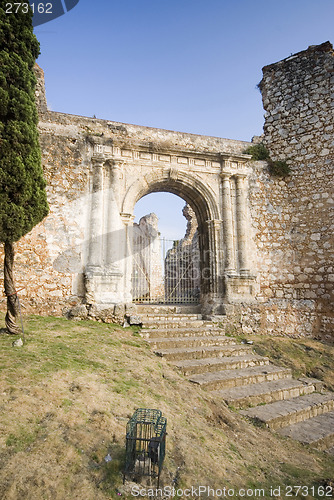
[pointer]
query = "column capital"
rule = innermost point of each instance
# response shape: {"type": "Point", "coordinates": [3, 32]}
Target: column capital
{"type": "Point", "coordinates": [98, 161]}
{"type": "Point", "coordinates": [240, 177]}
{"type": "Point", "coordinates": [225, 176]}
{"type": "Point", "coordinates": [127, 218]}
{"type": "Point", "coordinates": [115, 163]}
{"type": "Point", "coordinates": [215, 223]}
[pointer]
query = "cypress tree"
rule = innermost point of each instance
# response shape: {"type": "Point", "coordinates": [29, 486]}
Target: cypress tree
{"type": "Point", "coordinates": [23, 202]}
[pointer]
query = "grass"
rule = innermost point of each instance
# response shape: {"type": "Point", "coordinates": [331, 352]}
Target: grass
{"type": "Point", "coordinates": [306, 357]}
{"type": "Point", "coordinates": [22, 439]}
{"type": "Point", "coordinates": [67, 394]}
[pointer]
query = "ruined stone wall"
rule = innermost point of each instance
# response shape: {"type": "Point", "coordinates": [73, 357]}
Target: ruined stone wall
{"type": "Point", "coordinates": [289, 219]}
{"type": "Point", "coordinates": [147, 275]}
{"type": "Point", "coordinates": [182, 264]}
{"type": "Point", "coordinates": [50, 260]}
{"type": "Point", "coordinates": [297, 226]}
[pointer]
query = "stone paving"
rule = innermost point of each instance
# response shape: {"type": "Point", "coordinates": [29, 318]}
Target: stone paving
{"type": "Point", "coordinates": [290, 411]}
{"type": "Point", "coordinates": [317, 431]}
{"type": "Point", "coordinates": [298, 408]}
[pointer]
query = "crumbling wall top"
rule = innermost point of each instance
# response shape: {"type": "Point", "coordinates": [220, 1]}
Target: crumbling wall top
{"type": "Point", "coordinates": [311, 52]}
{"type": "Point", "coordinates": [40, 90]}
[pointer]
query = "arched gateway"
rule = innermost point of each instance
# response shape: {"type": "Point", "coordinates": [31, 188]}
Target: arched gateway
{"type": "Point", "coordinates": [214, 185]}
{"type": "Point", "coordinates": [77, 262]}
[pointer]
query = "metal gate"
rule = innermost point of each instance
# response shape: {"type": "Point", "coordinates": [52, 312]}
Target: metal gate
{"type": "Point", "coordinates": [165, 271]}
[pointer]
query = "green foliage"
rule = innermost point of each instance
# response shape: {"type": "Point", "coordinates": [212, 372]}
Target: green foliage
{"type": "Point", "coordinates": [23, 202]}
{"type": "Point", "coordinates": [260, 153]}
{"type": "Point", "coordinates": [279, 168]}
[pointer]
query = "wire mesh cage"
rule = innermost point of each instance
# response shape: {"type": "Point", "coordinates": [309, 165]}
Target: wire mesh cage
{"type": "Point", "coordinates": [145, 444]}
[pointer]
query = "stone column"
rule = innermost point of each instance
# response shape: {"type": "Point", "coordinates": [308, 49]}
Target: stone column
{"type": "Point", "coordinates": [230, 264]}
{"type": "Point", "coordinates": [96, 216]}
{"type": "Point", "coordinates": [127, 250]}
{"type": "Point", "coordinates": [213, 299]}
{"type": "Point", "coordinates": [114, 227]}
{"type": "Point", "coordinates": [242, 226]}
{"type": "Point", "coordinates": [116, 168]}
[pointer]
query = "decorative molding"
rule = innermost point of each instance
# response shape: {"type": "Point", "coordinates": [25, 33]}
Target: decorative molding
{"type": "Point", "coordinates": [173, 173]}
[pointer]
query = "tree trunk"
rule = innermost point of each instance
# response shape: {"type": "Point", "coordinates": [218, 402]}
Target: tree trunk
{"type": "Point", "coordinates": [12, 300]}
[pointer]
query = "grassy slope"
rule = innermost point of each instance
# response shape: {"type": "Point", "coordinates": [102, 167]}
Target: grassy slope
{"type": "Point", "coordinates": [65, 398]}
{"type": "Point", "coordinates": [306, 357]}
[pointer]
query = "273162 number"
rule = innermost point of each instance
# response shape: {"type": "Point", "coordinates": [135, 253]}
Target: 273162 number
{"type": "Point", "coordinates": [305, 491]}
{"type": "Point", "coordinates": [41, 8]}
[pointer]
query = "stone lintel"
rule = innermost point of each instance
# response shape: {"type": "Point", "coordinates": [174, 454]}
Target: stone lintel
{"type": "Point", "coordinates": [214, 223]}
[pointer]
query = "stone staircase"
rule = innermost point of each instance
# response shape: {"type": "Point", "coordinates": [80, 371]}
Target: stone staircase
{"type": "Point", "coordinates": [298, 408]}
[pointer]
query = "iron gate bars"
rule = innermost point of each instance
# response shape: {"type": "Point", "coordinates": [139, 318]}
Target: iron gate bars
{"type": "Point", "coordinates": [165, 272]}
{"type": "Point", "coordinates": [145, 444]}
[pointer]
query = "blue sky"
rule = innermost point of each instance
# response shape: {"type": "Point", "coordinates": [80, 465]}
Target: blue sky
{"type": "Point", "coordinates": [187, 65]}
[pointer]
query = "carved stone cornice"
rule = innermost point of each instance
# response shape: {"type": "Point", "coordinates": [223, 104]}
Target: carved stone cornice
{"type": "Point", "coordinates": [143, 153]}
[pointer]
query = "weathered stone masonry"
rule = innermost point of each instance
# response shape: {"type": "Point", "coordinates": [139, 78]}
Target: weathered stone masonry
{"type": "Point", "coordinates": [266, 243]}
{"type": "Point", "coordinates": [298, 96]}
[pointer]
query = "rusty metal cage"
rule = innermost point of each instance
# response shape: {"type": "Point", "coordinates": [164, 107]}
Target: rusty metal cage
{"type": "Point", "coordinates": [145, 444]}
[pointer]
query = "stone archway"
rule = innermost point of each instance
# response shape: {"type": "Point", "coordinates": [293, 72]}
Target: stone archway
{"type": "Point", "coordinates": [201, 198]}
{"type": "Point", "coordinates": [214, 185]}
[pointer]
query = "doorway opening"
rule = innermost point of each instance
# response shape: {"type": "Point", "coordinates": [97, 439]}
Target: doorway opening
{"type": "Point", "coordinates": [165, 250]}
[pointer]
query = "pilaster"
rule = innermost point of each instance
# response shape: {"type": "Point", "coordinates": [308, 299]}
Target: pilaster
{"type": "Point", "coordinates": [242, 226]}
{"type": "Point", "coordinates": [212, 299]}
{"type": "Point", "coordinates": [228, 236]}
{"type": "Point", "coordinates": [113, 254]}
{"type": "Point", "coordinates": [96, 214]}
{"type": "Point", "coordinates": [128, 251]}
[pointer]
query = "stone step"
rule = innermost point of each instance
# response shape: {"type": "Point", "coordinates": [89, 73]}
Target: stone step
{"type": "Point", "coordinates": [169, 325]}
{"type": "Point", "coordinates": [179, 332]}
{"type": "Point", "coordinates": [317, 432]}
{"type": "Point", "coordinates": [204, 352]}
{"type": "Point", "coordinates": [244, 376]}
{"type": "Point", "coordinates": [180, 318]}
{"type": "Point", "coordinates": [182, 342]}
{"type": "Point", "coordinates": [169, 309]}
{"type": "Point", "coordinates": [193, 366]}
{"type": "Point", "coordinates": [267, 392]}
{"type": "Point", "coordinates": [291, 411]}
{"type": "Point", "coordinates": [176, 318]}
